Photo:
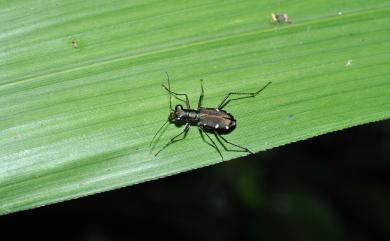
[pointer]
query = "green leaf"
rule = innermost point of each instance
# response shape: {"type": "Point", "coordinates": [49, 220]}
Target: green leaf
{"type": "Point", "coordinates": [81, 96]}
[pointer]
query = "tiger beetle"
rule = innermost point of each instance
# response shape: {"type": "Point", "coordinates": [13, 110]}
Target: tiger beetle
{"type": "Point", "coordinates": [208, 120]}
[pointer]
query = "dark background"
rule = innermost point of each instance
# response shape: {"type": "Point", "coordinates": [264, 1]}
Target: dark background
{"type": "Point", "coordinates": [332, 187]}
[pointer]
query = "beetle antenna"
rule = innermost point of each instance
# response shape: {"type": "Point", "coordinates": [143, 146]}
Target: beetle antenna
{"type": "Point", "coordinates": [169, 90]}
{"type": "Point", "coordinates": [158, 132]}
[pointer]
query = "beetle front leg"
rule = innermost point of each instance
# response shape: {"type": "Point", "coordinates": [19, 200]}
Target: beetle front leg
{"type": "Point", "coordinates": [173, 140]}
{"type": "Point", "coordinates": [201, 94]}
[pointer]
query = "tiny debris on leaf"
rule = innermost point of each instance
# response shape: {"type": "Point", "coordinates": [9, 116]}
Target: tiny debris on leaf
{"type": "Point", "coordinates": [280, 18]}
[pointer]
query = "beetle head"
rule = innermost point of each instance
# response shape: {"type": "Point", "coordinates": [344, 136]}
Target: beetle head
{"type": "Point", "coordinates": [177, 116]}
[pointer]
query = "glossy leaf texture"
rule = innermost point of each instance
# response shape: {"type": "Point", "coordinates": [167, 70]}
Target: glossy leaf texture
{"type": "Point", "coordinates": [81, 96]}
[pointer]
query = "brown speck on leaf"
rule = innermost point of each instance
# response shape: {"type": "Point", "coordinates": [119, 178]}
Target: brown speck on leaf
{"type": "Point", "coordinates": [74, 44]}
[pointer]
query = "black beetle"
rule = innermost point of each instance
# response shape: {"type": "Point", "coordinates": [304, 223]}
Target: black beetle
{"type": "Point", "coordinates": [208, 120]}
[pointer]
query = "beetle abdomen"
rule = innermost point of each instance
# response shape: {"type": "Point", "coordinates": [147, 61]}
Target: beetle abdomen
{"type": "Point", "coordinates": [215, 120]}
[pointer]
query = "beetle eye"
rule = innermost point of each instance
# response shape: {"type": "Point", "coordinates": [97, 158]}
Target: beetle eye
{"type": "Point", "coordinates": [178, 107]}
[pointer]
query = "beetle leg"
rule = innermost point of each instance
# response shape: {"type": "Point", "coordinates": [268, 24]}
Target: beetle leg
{"type": "Point", "coordinates": [174, 139]}
{"type": "Point", "coordinates": [212, 144]}
{"type": "Point", "coordinates": [243, 149]}
{"type": "Point", "coordinates": [176, 96]}
{"type": "Point", "coordinates": [226, 100]}
{"type": "Point", "coordinates": [201, 95]}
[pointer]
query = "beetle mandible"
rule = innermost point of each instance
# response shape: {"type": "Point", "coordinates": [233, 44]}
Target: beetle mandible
{"type": "Point", "coordinates": [208, 120]}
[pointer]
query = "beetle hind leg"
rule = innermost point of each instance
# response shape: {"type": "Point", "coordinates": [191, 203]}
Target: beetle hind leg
{"type": "Point", "coordinates": [211, 143]}
{"type": "Point", "coordinates": [227, 100]}
{"type": "Point", "coordinates": [222, 139]}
